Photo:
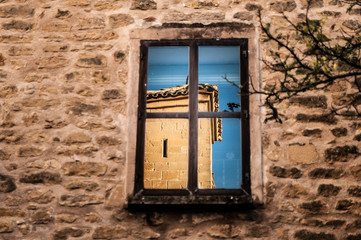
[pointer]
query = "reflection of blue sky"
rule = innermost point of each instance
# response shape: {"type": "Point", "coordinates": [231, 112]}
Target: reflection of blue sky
{"type": "Point", "coordinates": [168, 67]}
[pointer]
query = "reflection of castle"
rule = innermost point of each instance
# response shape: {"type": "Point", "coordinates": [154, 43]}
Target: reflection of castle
{"type": "Point", "coordinates": [166, 143]}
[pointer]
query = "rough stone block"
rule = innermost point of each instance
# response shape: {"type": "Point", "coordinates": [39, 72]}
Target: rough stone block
{"type": "Point", "coordinates": [116, 197]}
{"type": "Point", "coordinates": [79, 200]}
{"type": "Point", "coordinates": [91, 23]}
{"type": "Point", "coordinates": [307, 235]}
{"type": "Point", "coordinates": [92, 217]}
{"type": "Point", "coordinates": [335, 224]}
{"type": "Point", "coordinates": [312, 132]}
{"type": "Point", "coordinates": [178, 232]}
{"type": "Point", "coordinates": [341, 154]}
{"type": "Point", "coordinates": [52, 62]}
{"type": "Point", "coordinates": [344, 205]}
{"type": "Point", "coordinates": [76, 138]}
{"type": "Point", "coordinates": [356, 172]}
{"type": "Point", "coordinates": [313, 207]}
{"type": "Point", "coordinates": [258, 231]}
{"type": "Point", "coordinates": [328, 190]}
{"type": "Point", "coordinates": [354, 191]}
{"type": "Point", "coordinates": [8, 91]}
{"type": "Point", "coordinates": [85, 36]}
{"type": "Point", "coordinates": [285, 172]}
{"type": "Point", "coordinates": [22, 11]}
{"type": "Point", "coordinates": [112, 94]}
{"type": "Point", "coordinates": [9, 136]}
{"type": "Point", "coordinates": [220, 231]}
{"type": "Point", "coordinates": [85, 185]}
{"type": "Point", "coordinates": [253, 7]}
{"type": "Point", "coordinates": [79, 3]}
{"type": "Point", "coordinates": [145, 233]}
{"type": "Point", "coordinates": [119, 56]}
{"type": "Point", "coordinates": [326, 173]}
{"type": "Point", "coordinates": [110, 232]}
{"type": "Point", "coordinates": [312, 3]}
{"type": "Point", "coordinates": [70, 151]}
{"type": "Point", "coordinates": [63, 14]}
{"type": "Point", "coordinates": [74, 232]}
{"type": "Point", "coordinates": [339, 132]}
{"type": "Point", "coordinates": [56, 26]}
{"type": "Point", "coordinates": [310, 101]}
{"type": "Point", "coordinates": [303, 154]}
{"type": "Point", "coordinates": [283, 6]}
{"type": "Point", "coordinates": [144, 4]}
{"type": "Point", "coordinates": [4, 155]}
{"type": "Point", "coordinates": [100, 78]}
{"type": "Point", "coordinates": [66, 218]}
{"type": "Point", "coordinates": [357, 137]}
{"type": "Point", "coordinates": [44, 177]}
{"type": "Point", "coordinates": [105, 5]}
{"type": "Point", "coordinates": [197, 16]}
{"type": "Point", "coordinates": [29, 151]}
{"type": "Point", "coordinates": [15, 39]}
{"type": "Point", "coordinates": [85, 169]}
{"type": "Point", "coordinates": [80, 108]}
{"type": "Point", "coordinates": [13, 201]}
{"type": "Point", "coordinates": [7, 184]}
{"type": "Point", "coordinates": [56, 48]}
{"type": "Point", "coordinates": [243, 16]}
{"type": "Point", "coordinates": [201, 4]}
{"type": "Point", "coordinates": [312, 222]}
{"type": "Point", "coordinates": [108, 141]}
{"type": "Point", "coordinates": [352, 24]}
{"type": "Point", "coordinates": [89, 60]}
{"type": "Point", "coordinates": [323, 118]}
{"type": "Point", "coordinates": [355, 225]}
{"type": "Point", "coordinates": [17, 25]}
{"type": "Point", "coordinates": [120, 20]}
{"type": "Point", "coordinates": [40, 196]}
{"type": "Point", "coordinates": [9, 212]}
{"type": "Point", "coordinates": [353, 237]}
{"type": "Point", "coordinates": [41, 217]}
{"type": "Point", "coordinates": [74, 76]}
{"type": "Point", "coordinates": [294, 191]}
{"type": "Point", "coordinates": [6, 226]}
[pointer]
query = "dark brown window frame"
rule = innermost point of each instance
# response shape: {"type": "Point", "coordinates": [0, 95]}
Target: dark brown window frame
{"type": "Point", "coordinates": [193, 115]}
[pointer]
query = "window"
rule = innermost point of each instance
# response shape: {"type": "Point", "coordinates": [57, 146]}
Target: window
{"type": "Point", "coordinates": [193, 134]}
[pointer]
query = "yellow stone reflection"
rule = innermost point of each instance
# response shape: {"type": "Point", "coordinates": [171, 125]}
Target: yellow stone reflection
{"type": "Point", "coordinates": [166, 141]}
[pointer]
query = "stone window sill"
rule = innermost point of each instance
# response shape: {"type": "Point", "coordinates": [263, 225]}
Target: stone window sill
{"type": "Point", "coordinates": [207, 202]}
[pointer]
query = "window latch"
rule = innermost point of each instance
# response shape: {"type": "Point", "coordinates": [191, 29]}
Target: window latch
{"type": "Point", "coordinates": [245, 53]}
{"type": "Point", "coordinates": [245, 114]}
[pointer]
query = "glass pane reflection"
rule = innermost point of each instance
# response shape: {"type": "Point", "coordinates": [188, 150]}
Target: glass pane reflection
{"type": "Point", "coordinates": [219, 78]}
{"type": "Point", "coordinates": [166, 154]}
{"type": "Point", "coordinates": [167, 79]}
{"type": "Point", "coordinates": [219, 153]}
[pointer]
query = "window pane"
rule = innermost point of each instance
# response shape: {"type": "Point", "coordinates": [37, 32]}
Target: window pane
{"type": "Point", "coordinates": [167, 89]}
{"type": "Point", "coordinates": [166, 154]}
{"type": "Point", "coordinates": [219, 70]}
{"type": "Point", "coordinates": [219, 153]}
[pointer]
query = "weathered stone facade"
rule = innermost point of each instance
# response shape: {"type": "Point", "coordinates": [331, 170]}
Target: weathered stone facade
{"type": "Point", "coordinates": [68, 100]}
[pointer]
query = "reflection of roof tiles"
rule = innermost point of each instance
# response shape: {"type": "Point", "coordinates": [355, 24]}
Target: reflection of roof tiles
{"type": "Point", "coordinates": [183, 90]}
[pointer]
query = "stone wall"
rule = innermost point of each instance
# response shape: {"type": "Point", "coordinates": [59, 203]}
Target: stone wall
{"type": "Point", "coordinates": [66, 92]}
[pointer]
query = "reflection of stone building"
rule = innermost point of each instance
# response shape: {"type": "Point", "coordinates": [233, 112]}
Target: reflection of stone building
{"type": "Point", "coordinates": [166, 143]}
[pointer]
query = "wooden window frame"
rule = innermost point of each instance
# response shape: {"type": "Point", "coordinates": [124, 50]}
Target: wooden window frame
{"type": "Point", "coordinates": [193, 115]}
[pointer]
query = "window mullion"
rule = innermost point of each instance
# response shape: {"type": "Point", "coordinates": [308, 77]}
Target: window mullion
{"type": "Point", "coordinates": [193, 118]}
